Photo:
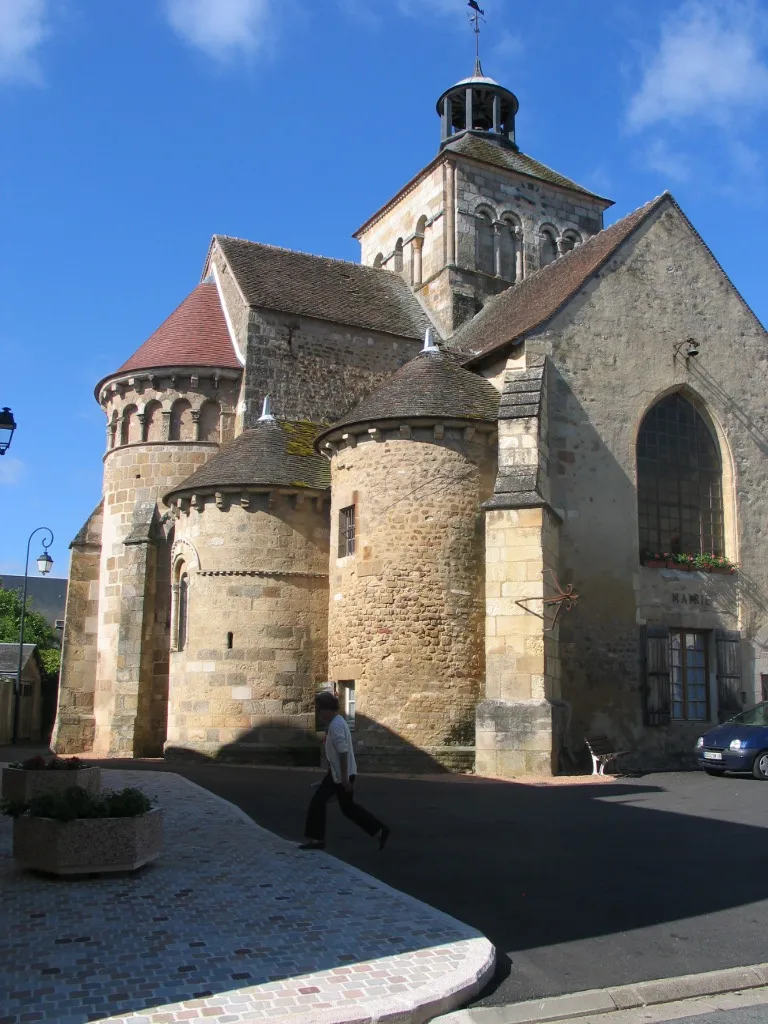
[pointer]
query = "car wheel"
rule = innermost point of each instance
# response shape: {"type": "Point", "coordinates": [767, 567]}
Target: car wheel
{"type": "Point", "coordinates": [715, 771]}
{"type": "Point", "coordinates": [760, 766]}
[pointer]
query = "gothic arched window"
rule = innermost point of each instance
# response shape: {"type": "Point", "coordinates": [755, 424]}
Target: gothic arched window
{"type": "Point", "coordinates": [679, 481]}
{"type": "Point", "coordinates": [484, 249]}
{"type": "Point", "coordinates": [547, 247]}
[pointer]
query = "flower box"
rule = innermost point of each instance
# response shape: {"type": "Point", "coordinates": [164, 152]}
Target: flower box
{"type": "Point", "coordinates": [680, 566]}
{"type": "Point", "coordinates": [722, 570]}
{"type": "Point", "coordinates": [87, 845]}
{"type": "Point", "coordinates": [655, 563]}
{"type": "Point", "coordinates": [23, 784]}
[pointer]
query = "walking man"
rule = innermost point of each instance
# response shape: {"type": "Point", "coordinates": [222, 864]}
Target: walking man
{"type": "Point", "coordinates": [339, 782]}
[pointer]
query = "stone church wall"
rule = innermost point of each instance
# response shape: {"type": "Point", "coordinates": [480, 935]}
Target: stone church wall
{"type": "Point", "coordinates": [313, 370]}
{"type": "Point", "coordinates": [406, 610]}
{"type": "Point", "coordinates": [613, 355]}
{"type": "Point", "coordinates": [256, 650]}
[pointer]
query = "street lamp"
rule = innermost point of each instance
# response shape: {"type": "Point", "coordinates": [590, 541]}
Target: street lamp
{"type": "Point", "coordinates": [7, 427]}
{"type": "Point", "coordinates": [44, 565]}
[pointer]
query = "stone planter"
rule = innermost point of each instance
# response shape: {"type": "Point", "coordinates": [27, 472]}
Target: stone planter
{"type": "Point", "coordinates": [23, 784]}
{"type": "Point", "coordinates": [88, 845]}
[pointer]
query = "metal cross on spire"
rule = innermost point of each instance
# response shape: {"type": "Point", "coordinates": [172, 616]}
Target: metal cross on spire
{"type": "Point", "coordinates": [475, 18]}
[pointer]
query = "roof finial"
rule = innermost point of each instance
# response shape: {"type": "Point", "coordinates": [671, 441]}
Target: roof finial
{"type": "Point", "coordinates": [266, 412]}
{"type": "Point", "coordinates": [429, 341]}
{"type": "Point", "coordinates": [475, 18]}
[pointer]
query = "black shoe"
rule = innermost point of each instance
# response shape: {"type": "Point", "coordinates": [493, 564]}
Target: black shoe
{"type": "Point", "coordinates": [312, 844]}
{"type": "Point", "coordinates": [383, 837]}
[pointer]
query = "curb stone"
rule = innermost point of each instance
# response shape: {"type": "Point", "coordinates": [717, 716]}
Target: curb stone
{"type": "Point", "coordinates": [622, 997]}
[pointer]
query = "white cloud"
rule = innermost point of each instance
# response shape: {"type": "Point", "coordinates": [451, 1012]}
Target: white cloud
{"type": "Point", "coordinates": [11, 471]}
{"type": "Point", "coordinates": [659, 157]}
{"type": "Point", "coordinates": [221, 28]}
{"type": "Point", "coordinates": [709, 66]}
{"type": "Point", "coordinates": [23, 27]}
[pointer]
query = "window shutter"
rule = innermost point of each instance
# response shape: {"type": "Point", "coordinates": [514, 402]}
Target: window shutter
{"type": "Point", "coordinates": [657, 680]}
{"type": "Point", "coordinates": [728, 673]}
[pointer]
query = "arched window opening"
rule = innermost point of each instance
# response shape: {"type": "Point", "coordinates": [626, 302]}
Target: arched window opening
{"type": "Point", "coordinates": [182, 611]}
{"type": "Point", "coordinates": [398, 264]}
{"type": "Point", "coordinates": [182, 427]}
{"type": "Point", "coordinates": [484, 250]}
{"type": "Point", "coordinates": [129, 427]}
{"type": "Point", "coordinates": [547, 247]}
{"type": "Point", "coordinates": [379, 260]}
{"type": "Point", "coordinates": [210, 422]}
{"type": "Point", "coordinates": [509, 247]}
{"type": "Point", "coordinates": [113, 429]}
{"type": "Point", "coordinates": [153, 421]}
{"type": "Point", "coordinates": [679, 482]}
{"type": "Point", "coordinates": [569, 241]}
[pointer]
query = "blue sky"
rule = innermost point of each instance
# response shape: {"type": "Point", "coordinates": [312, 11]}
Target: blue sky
{"type": "Point", "coordinates": [131, 132]}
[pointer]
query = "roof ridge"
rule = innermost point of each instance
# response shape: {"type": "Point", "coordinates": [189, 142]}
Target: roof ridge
{"type": "Point", "coordinates": [310, 255]}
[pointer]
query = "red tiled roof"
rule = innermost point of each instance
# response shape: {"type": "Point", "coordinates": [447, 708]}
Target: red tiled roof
{"type": "Point", "coordinates": [526, 306]}
{"type": "Point", "coordinates": [195, 334]}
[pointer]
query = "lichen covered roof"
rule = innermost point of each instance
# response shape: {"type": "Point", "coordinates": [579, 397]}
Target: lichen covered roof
{"type": "Point", "coordinates": [526, 306]}
{"type": "Point", "coordinates": [325, 289]}
{"type": "Point", "coordinates": [195, 334]}
{"type": "Point", "coordinates": [431, 386]}
{"type": "Point", "coordinates": [509, 159]}
{"type": "Point", "coordinates": [274, 453]}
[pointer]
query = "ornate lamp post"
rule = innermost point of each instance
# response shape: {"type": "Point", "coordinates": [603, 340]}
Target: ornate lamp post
{"type": "Point", "coordinates": [7, 427]}
{"type": "Point", "coordinates": [44, 565]}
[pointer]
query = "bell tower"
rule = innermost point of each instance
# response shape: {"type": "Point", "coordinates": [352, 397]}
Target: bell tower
{"type": "Point", "coordinates": [482, 216]}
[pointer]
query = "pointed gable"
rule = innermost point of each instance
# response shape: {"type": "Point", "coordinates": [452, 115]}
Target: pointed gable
{"type": "Point", "coordinates": [195, 334]}
{"type": "Point", "coordinates": [524, 307]}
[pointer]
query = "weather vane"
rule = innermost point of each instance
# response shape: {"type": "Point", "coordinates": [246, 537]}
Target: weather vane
{"type": "Point", "coordinates": [475, 18]}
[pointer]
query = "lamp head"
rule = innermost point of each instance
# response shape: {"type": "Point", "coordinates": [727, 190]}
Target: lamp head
{"type": "Point", "coordinates": [44, 563]}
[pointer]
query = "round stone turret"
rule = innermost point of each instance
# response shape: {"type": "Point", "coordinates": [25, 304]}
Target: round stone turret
{"type": "Point", "coordinates": [410, 468]}
{"type": "Point", "coordinates": [249, 579]}
{"type": "Point", "coordinates": [480, 106]}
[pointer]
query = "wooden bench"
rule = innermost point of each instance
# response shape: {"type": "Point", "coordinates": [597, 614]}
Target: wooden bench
{"type": "Point", "coordinates": [603, 751]}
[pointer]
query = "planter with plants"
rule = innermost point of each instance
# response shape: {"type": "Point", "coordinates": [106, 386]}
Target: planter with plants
{"type": "Point", "coordinates": [38, 775]}
{"type": "Point", "coordinates": [77, 832]}
{"type": "Point", "coordinates": [715, 563]}
{"type": "Point", "coordinates": [655, 561]}
{"type": "Point", "coordinates": [684, 563]}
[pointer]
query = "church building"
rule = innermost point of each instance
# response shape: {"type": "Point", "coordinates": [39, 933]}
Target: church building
{"type": "Point", "coordinates": [500, 485]}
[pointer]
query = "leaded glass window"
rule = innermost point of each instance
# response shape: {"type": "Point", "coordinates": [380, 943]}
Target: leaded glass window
{"type": "Point", "coordinates": [679, 482]}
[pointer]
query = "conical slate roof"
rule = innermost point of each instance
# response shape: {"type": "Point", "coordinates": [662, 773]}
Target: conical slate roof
{"type": "Point", "coordinates": [431, 386]}
{"type": "Point", "coordinates": [195, 334]}
{"type": "Point", "coordinates": [274, 453]}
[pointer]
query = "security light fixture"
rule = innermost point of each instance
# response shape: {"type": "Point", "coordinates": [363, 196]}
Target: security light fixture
{"type": "Point", "coordinates": [7, 427]}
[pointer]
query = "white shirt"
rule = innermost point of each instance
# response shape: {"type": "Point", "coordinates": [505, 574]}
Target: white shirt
{"type": "Point", "coordinates": [338, 740]}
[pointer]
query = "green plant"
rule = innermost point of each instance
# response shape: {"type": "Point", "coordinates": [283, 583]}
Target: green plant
{"type": "Point", "coordinates": [681, 559]}
{"type": "Point", "coordinates": [76, 803]}
{"type": "Point", "coordinates": [39, 763]}
{"type": "Point", "coordinates": [710, 561]}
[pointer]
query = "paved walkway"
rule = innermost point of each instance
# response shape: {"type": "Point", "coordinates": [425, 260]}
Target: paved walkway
{"type": "Point", "coordinates": [231, 924]}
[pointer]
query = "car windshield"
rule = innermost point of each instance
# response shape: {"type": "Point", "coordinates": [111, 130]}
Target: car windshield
{"type": "Point", "coordinates": [755, 716]}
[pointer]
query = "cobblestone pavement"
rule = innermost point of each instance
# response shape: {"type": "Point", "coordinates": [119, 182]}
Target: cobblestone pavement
{"type": "Point", "coordinates": [231, 924]}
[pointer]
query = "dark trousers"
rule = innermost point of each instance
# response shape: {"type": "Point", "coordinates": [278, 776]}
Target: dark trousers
{"type": "Point", "coordinates": [315, 824]}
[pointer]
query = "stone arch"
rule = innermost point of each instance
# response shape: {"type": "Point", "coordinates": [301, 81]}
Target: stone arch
{"type": "Point", "coordinates": [130, 426]}
{"type": "Point", "coordinates": [209, 423]}
{"type": "Point", "coordinates": [417, 251]}
{"type": "Point", "coordinates": [510, 246]}
{"type": "Point", "coordinates": [548, 251]}
{"type": "Point", "coordinates": [182, 425]}
{"type": "Point", "coordinates": [485, 260]}
{"type": "Point", "coordinates": [398, 259]}
{"type": "Point", "coordinates": [378, 260]}
{"type": "Point", "coordinates": [685, 479]}
{"type": "Point", "coordinates": [569, 240]}
{"type": "Point", "coordinates": [184, 550]}
{"type": "Point", "coordinates": [153, 421]}
{"type": "Point", "coordinates": [113, 427]}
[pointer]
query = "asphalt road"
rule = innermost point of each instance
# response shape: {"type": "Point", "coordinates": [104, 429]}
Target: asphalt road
{"type": "Point", "coordinates": [579, 887]}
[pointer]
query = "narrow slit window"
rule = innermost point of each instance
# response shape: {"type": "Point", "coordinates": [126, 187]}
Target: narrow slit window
{"type": "Point", "coordinates": [230, 641]}
{"type": "Point", "coordinates": [347, 700]}
{"type": "Point", "coordinates": [183, 611]}
{"type": "Point", "coordinates": [347, 531]}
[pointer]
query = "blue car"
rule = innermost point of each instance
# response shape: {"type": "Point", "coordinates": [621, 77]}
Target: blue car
{"type": "Point", "coordinates": [740, 745]}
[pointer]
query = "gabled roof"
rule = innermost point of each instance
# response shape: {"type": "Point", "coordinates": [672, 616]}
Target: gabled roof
{"type": "Point", "coordinates": [523, 307]}
{"type": "Point", "coordinates": [274, 453]}
{"type": "Point", "coordinates": [324, 289]}
{"type": "Point", "coordinates": [477, 148]}
{"type": "Point", "coordinates": [431, 386]}
{"type": "Point", "coordinates": [9, 659]}
{"type": "Point", "coordinates": [195, 334]}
